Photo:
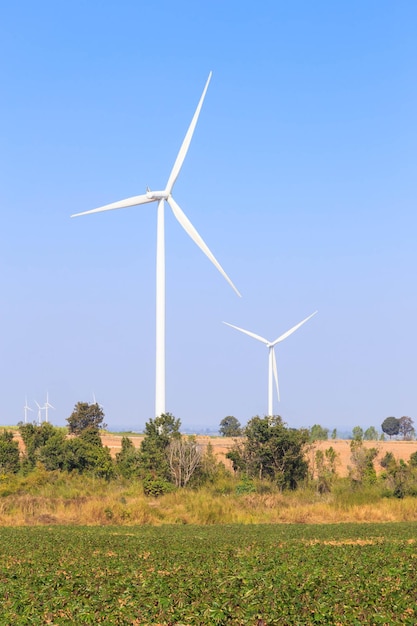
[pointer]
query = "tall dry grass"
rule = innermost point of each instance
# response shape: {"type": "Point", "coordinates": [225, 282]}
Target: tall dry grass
{"type": "Point", "coordinates": [56, 498]}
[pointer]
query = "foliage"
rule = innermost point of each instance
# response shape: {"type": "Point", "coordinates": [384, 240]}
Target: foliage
{"type": "Point", "coordinates": [362, 470]}
{"type": "Point", "coordinates": [334, 433]}
{"type": "Point", "coordinates": [406, 428]}
{"type": "Point", "coordinates": [224, 576]}
{"type": "Point", "coordinates": [391, 426]}
{"type": "Point", "coordinates": [9, 453]}
{"type": "Point", "coordinates": [371, 434]}
{"type": "Point", "coordinates": [128, 460]}
{"type": "Point", "coordinates": [35, 437]}
{"type": "Point", "coordinates": [230, 427]}
{"type": "Point", "coordinates": [271, 450]}
{"type": "Point", "coordinates": [326, 469]}
{"type": "Point", "coordinates": [159, 433]}
{"type": "Point", "coordinates": [85, 416]}
{"type": "Point", "coordinates": [156, 486]}
{"type": "Point", "coordinates": [357, 433]}
{"type": "Point", "coordinates": [318, 433]}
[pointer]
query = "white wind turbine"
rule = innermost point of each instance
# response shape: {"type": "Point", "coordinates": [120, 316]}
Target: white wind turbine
{"type": "Point", "coordinates": [47, 406]}
{"type": "Point", "coordinates": [160, 197]}
{"type": "Point", "coordinates": [26, 409]}
{"type": "Point", "coordinates": [40, 409]}
{"type": "Point", "coordinates": [272, 362]}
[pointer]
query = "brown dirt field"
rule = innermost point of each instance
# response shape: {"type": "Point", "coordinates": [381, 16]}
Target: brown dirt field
{"type": "Point", "coordinates": [221, 445]}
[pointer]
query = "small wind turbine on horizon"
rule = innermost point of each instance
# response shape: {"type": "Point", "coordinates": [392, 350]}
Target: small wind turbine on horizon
{"type": "Point", "coordinates": [26, 409]}
{"type": "Point", "coordinates": [47, 406]}
{"type": "Point", "coordinates": [272, 362]}
{"type": "Point", "coordinates": [160, 197]}
{"type": "Point", "coordinates": [40, 409]}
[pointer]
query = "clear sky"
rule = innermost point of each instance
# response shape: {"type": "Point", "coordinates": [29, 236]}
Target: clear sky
{"type": "Point", "coordinates": [301, 178]}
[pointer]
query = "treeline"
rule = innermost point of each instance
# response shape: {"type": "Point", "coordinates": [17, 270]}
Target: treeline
{"type": "Point", "coordinates": [266, 455]}
{"type": "Point", "coordinates": [402, 427]}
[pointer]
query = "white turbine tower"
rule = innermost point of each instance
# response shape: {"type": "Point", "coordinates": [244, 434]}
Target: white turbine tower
{"type": "Point", "coordinates": [47, 406]}
{"type": "Point", "coordinates": [160, 197]}
{"type": "Point", "coordinates": [26, 409]}
{"type": "Point", "coordinates": [272, 362]}
{"type": "Point", "coordinates": [40, 409]}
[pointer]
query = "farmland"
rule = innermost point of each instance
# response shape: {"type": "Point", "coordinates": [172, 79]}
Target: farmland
{"type": "Point", "coordinates": [231, 574]}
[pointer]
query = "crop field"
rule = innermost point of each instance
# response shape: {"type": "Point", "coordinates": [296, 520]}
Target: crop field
{"type": "Point", "coordinates": [194, 575]}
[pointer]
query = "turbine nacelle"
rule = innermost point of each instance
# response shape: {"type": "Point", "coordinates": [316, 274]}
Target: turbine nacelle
{"type": "Point", "coordinates": [157, 195]}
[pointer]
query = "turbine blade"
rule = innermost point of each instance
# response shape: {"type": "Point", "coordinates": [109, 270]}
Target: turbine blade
{"type": "Point", "coordinates": [186, 143]}
{"type": "Point", "coordinates": [247, 332]}
{"type": "Point", "coordinates": [191, 231]}
{"type": "Point", "coordinates": [292, 330]}
{"type": "Point", "coordinates": [121, 204]}
{"type": "Point", "coordinates": [275, 370]}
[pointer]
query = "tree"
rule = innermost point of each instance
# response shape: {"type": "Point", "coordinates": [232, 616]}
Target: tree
{"type": "Point", "coordinates": [371, 434]}
{"type": "Point", "coordinates": [9, 453]}
{"type": "Point", "coordinates": [127, 460]}
{"type": "Point", "coordinates": [230, 427]}
{"type": "Point", "coordinates": [159, 433]}
{"type": "Point", "coordinates": [334, 433]}
{"type": "Point", "coordinates": [184, 456]}
{"type": "Point", "coordinates": [84, 416]}
{"type": "Point", "coordinates": [406, 428]}
{"type": "Point", "coordinates": [35, 437]}
{"type": "Point", "coordinates": [362, 469]}
{"type": "Point", "coordinates": [326, 469]}
{"type": "Point", "coordinates": [391, 426]}
{"type": "Point", "coordinates": [271, 450]}
{"type": "Point", "coordinates": [357, 433]}
{"type": "Point", "coordinates": [318, 433]}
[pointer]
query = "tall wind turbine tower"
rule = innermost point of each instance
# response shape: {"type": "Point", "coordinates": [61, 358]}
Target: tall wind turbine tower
{"type": "Point", "coordinates": [26, 409]}
{"type": "Point", "coordinates": [47, 406]}
{"type": "Point", "coordinates": [40, 408]}
{"type": "Point", "coordinates": [272, 362]}
{"type": "Point", "coordinates": [160, 197]}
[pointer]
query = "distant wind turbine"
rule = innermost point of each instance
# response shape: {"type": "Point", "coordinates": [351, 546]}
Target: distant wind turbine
{"type": "Point", "coordinates": [40, 408]}
{"type": "Point", "coordinates": [26, 409]}
{"type": "Point", "coordinates": [160, 197]}
{"type": "Point", "coordinates": [47, 406]}
{"type": "Point", "coordinates": [272, 363]}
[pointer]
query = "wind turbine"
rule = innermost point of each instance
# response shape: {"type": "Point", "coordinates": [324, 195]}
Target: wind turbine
{"type": "Point", "coordinates": [40, 408]}
{"type": "Point", "coordinates": [47, 406]}
{"type": "Point", "coordinates": [26, 408]}
{"type": "Point", "coordinates": [160, 197]}
{"type": "Point", "coordinates": [272, 362]}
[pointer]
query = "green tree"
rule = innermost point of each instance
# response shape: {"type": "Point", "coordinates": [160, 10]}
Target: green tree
{"type": "Point", "coordinates": [357, 433]}
{"type": "Point", "coordinates": [391, 426]}
{"type": "Point", "coordinates": [34, 438]}
{"type": "Point", "coordinates": [9, 453]}
{"type": "Point", "coordinates": [86, 453]}
{"type": "Point", "coordinates": [230, 427]}
{"type": "Point", "coordinates": [318, 433]}
{"type": "Point", "coordinates": [271, 450]}
{"type": "Point", "coordinates": [371, 434]}
{"type": "Point", "coordinates": [334, 433]}
{"type": "Point", "coordinates": [127, 460]}
{"type": "Point", "coordinates": [326, 466]}
{"type": "Point", "coordinates": [159, 433]}
{"type": "Point", "coordinates": [362, 470]}
{"type": "Point", "coordinates": [85, 416]}
{"type": "Point", "coordinates": [406, 428]}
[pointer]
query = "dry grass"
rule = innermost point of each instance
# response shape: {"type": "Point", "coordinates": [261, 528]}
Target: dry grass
{"type": "Point", "coordinates": [60, 499]}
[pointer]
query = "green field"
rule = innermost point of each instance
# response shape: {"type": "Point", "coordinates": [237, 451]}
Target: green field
{"type": "Point", "coordinates": [282, 574]}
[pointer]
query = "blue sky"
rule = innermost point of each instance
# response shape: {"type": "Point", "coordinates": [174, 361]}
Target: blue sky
{"type": "Point", "coordinates": [300, 178]}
